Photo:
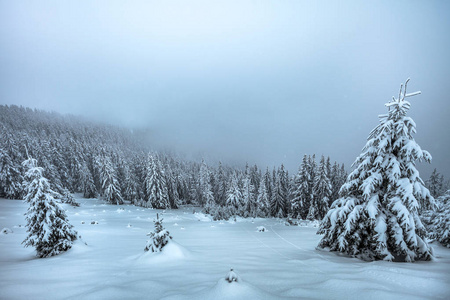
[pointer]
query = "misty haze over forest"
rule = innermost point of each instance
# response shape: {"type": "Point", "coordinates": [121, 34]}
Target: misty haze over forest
{"type": "Point", "coordinates": [234, 81]}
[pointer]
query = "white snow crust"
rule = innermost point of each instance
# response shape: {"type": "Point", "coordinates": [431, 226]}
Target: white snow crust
{"type": "Point", "coordinates": [282, 263]}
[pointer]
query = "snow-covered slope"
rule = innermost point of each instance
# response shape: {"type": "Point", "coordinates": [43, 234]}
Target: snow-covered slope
{"type": "Point", "coordinates": [281, 263]}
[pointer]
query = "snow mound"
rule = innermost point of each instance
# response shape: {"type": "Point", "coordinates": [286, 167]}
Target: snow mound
{"type": "Point", "coordinates": [6, 231]}
{"type": "Point", "coordinates": [307, 223]}
{"type": "Point", "coordinates": [170, 219]}
{"type": "Point", "coordinates": [261, 229]}
{"type": "Point", "coordinates": [171, 252]}
{"type": "Point", "coordinates": [79, 246]}
{"type": "Point", "coordinates": [224, 290]}
{"type": "Point", "coordinates": [315, 224]}
{"type": "Point", "coordinates": [201, 217]}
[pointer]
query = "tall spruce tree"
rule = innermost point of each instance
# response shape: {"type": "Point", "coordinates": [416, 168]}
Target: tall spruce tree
{"type": "Point", "coordinates": [435, 183]}
{"type": "Point", "coordinates": [301, 199]}
{"type": "Point", "coordinates": [279, 202]}
{"type": "Point", "coordinates": [322, 192]}
{"type": "Point", "coordinates": [262, 201]}
{"type": "Point", "coordinates": [248, 197]}
{"type": "Point", "coordinates": [87, 182]}
{"type": "Point", "coordinates": [234, 195]}
{"type": "Point", "coordinates": [110, 184]}
{"type": "Point", "coordinates": [335, 182]}
{"type": "Point", "coordinates": [155, 183]}
{"type": "Point", "coordinates": [221, 185]}
{"type": "Point", "coordinates": [49, 230]}
{"type": "Point", "coordinates": [172, 188]}
{"type": "Point", "coordinates": [10, 177]}
{"type": "Point", "coordinates": [377, 216]}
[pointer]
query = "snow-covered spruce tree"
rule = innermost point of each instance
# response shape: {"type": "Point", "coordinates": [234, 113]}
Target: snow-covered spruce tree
{"type": "Point", "coordinates": [10, 177]}
{"type": "Point", "coordinates": [204, 183]}
{"type": "Point", "coordinates": [221, 185]}
{"type": "Point", "coordinates": [158, 238]}
{"type": "Point", "coordinates": [172, 188]}
{"type": "Point", "coordinates": [312, 166]}
{"type": "Point", "coordinates": [262, 201]}
{"type": "Point", "coordinates": [67, 198]}
{"type": "Point", "coordinates": [87, 183]}
{"type": "Point", "coordinates": [248, 197]}
{"type": "Point", "coordinates": [234, 195]}
{"type": "Point", "coordinates": [155, 185]}
{"type": "Point", "coordinates": [322, 192]}
{"type": "Point", "coordinates": [49, 230]}
{"type": "Point", "coordinates": [437, 221]}
{"type": "Point", "coordinates": [334, 180]}
{"type": "Point", "coordinates": [206, 191]}
{"type": "Point", "coordinates": [110, 184]}
{"type": "Point", "coordinates": [280, 193]}
{"type": "Point", "coordinates": [208, 196]}
{"type": "Point", "coordinates": [435, 183]}
{"type": "Point", "coordinates": [377, 215]}
{"type": "Point", "coordinates": [285, 188]}
{"type": "Point", "coordinates": [301, 199]}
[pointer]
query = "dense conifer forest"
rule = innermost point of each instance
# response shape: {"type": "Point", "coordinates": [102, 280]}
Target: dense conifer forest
{"type": "Point", "coordinates": [98, 160]}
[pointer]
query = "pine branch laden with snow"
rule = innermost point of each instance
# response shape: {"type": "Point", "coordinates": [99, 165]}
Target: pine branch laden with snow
{"type": "Point", "coordinates": [158, 238]}
{"type": "Point", "coordinates": [377, 215]}
{"type": "Point", "coordinates": [49, 230]}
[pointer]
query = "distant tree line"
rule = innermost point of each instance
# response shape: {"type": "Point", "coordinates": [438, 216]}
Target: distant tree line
{"type": "Point", "coordinates": [78, 156]}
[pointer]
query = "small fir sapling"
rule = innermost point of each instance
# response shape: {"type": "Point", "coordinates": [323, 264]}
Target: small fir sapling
{"type": "Point", "coordinates": [158, 238]}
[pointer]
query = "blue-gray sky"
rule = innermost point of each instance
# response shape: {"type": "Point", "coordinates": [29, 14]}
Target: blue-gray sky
{"type": "Point", "coordinates": [257, 81]}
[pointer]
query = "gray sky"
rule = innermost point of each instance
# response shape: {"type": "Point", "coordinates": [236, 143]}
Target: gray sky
{"type": "Point", "coordinates": [257, 81]}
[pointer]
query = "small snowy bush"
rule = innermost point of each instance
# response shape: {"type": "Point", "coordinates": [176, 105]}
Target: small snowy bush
{"type": "Point", "coordinates": [261, 229]}
{"type": "Point", "coordinates": [6, 231]}
{"type": "Point", "coordinates": [159, 238]}
{"type": "Point", "coordinates": [221, 213]}
{"type": "Point", "coordinates": [232, 277]}
{"type": "Point", "coordinates": [67, 198]}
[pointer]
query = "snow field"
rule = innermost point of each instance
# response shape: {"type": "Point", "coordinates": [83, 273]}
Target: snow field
{"type": "Point", "coordinates": [281, 263]}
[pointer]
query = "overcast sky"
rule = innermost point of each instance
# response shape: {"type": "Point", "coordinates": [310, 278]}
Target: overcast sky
{"type": "Point", "coordinates": [257, 81]}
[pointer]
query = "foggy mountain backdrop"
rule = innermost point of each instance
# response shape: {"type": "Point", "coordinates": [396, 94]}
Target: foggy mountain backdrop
{"type": "Point", "coordinates": [236, 81]}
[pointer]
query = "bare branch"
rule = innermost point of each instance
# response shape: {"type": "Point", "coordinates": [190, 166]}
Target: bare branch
{"type": "Point", "coordinates": [413, 94]}
{"type": "Point", "coordinates": [400, 92]}
{"type": "Point", "coordinates": [26, 150]}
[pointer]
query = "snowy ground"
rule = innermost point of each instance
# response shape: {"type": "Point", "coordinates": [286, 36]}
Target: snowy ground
{"type": "Point", "coordinates": [281, 263]}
